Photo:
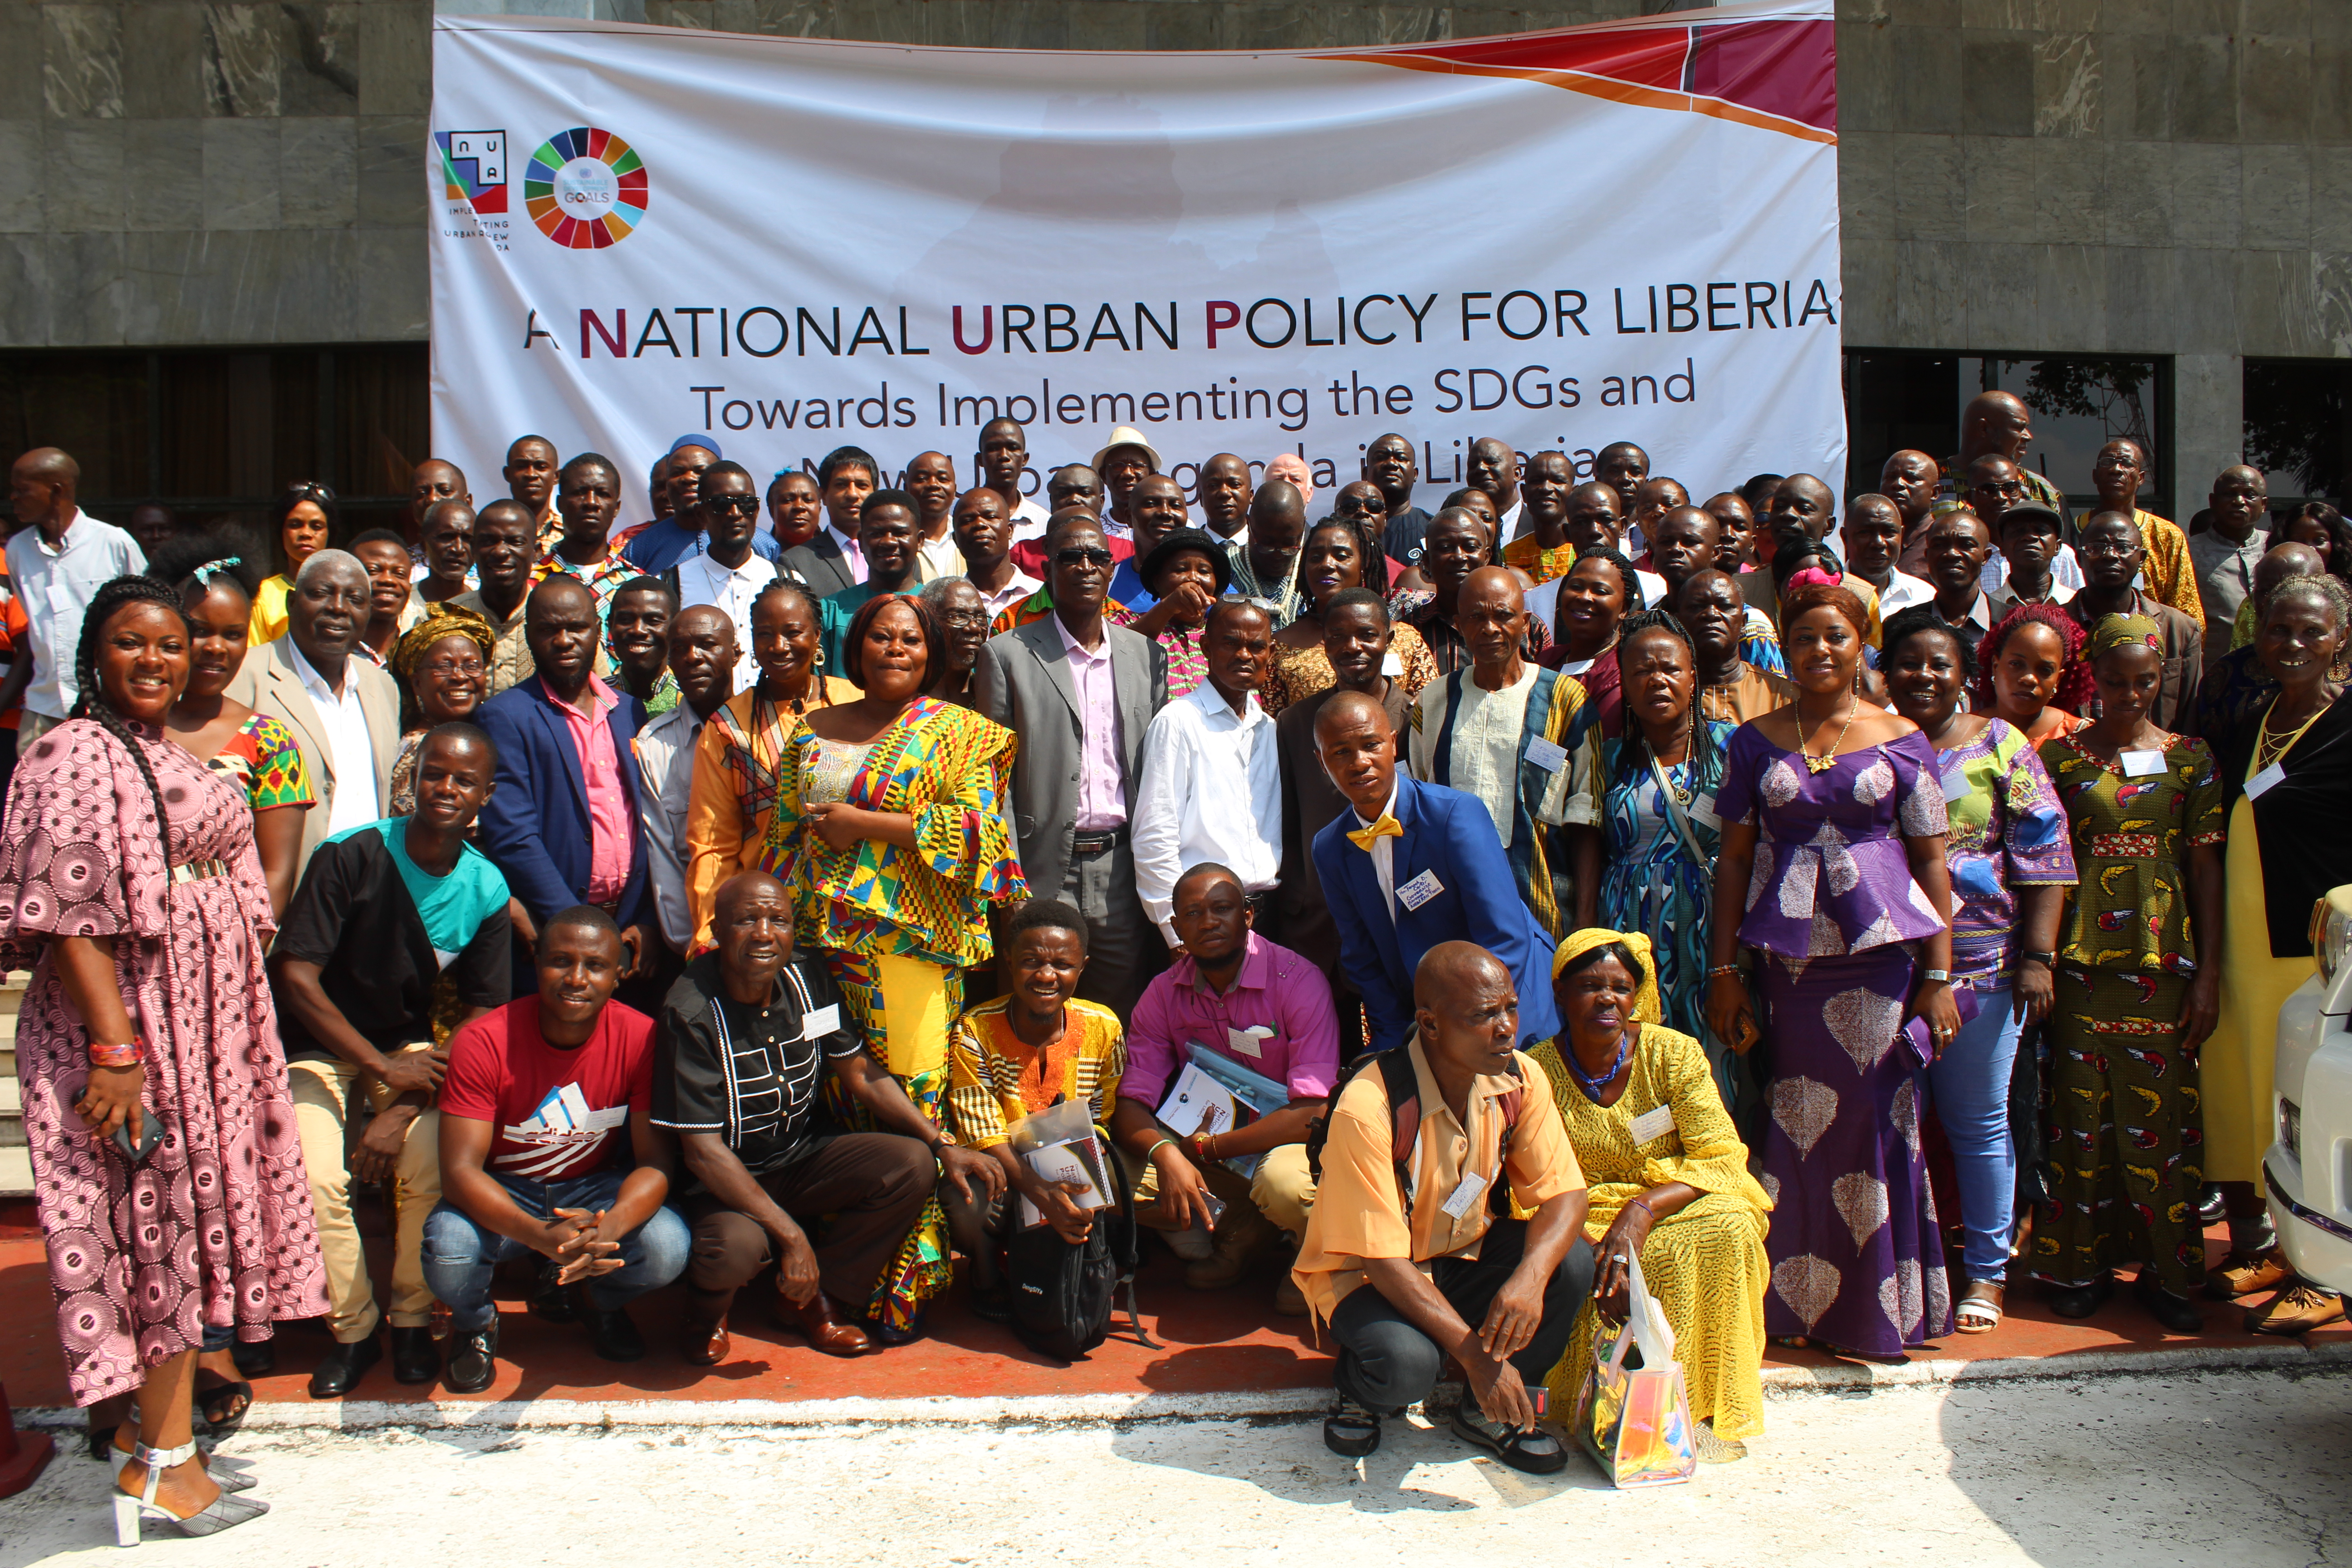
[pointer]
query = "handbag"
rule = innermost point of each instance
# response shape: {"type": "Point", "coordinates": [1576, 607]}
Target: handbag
{"type": "Point", "coordinates": [1632, 1415]}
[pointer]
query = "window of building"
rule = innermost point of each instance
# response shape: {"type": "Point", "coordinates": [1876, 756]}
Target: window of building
{"type": "Point", "coordinates": [1896, 398]}
{"type": "Point", "coordinates": [2299, 428]}
{"type": "Point", "coordinates": [217, 434]}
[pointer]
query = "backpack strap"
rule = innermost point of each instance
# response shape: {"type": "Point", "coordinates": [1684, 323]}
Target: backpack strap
{"type": "Point", "coordinates": [1126, 1248]}
{"type": "Point", "coordinates": [1403, 1087]}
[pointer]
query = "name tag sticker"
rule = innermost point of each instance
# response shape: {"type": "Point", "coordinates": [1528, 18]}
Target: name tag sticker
{"type": "Point", "coordinates": [1391, 663]}
{"type": "Point", "coordinates": [2141, 764]}
{"type": "Point", "coordinates": [1472, 1187]}
{"type": "Point", "coordinates": [1702, 811]}
{"type": "Point", "coordinates": [1244, 1042]}
{"type": "Point", "coordinates": [2274, 773]}
{"type": "Point", "coordinates": [1419, 891]}
{"type": "Point", "coordinates": [1653, 1124]}
{"type": "Point", "coordinates": [1549, 755]}
{"type": "Point", "coordinates": [823, 1020]}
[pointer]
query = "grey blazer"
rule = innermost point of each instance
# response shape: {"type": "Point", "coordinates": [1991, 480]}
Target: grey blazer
{"type": "Point", "coordinates": [267, 683]}
{"type": "Point", "coordinates": [1023, 682]}
{"type": "Point", "coordinates": [821, 564]}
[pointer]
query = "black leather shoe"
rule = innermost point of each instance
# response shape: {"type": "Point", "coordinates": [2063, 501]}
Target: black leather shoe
{"type": "Point", "coordinates": [254, 1357]}
{"type": "Point", "coordinates": [551, 1303]}
{"type": "Point", "coordinates": [415, 1357]}
{"type": "Point", "coordinates": [2177, 1313]}
{"type": "Point", "coordinates": [473, 1360]}
{"type": "Point", "coordinates": [613, 1334]}
{"type": "Point", "coordinates": [2082, 1300]}
{"type": "Point", "coordinates": [344, 1367]}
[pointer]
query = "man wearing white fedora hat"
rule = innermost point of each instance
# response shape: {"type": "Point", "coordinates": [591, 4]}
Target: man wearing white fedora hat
{"type": "Point", "coordinates": [1124, 460]}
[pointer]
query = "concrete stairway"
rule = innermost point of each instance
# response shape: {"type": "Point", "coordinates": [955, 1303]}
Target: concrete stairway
{"type": "Point", "coordinates": [16, 1165]}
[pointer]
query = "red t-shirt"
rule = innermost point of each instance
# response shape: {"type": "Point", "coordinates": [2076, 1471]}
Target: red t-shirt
{"type": "Point", "coordinates": [558, 1113]}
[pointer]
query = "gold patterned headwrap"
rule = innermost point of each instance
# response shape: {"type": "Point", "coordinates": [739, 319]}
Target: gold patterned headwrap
{"type": "Point", "coordinates": [1647, 1008]}
{"type": "Point", "coordinates": [443, 620]}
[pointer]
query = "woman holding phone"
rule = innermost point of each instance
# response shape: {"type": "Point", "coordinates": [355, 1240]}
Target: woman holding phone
{"type": "Point", "coordinates": [172, 1192]}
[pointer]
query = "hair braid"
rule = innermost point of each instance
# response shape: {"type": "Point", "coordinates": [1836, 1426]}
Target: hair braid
{"type": "Point", "coordinates": [91, 703]}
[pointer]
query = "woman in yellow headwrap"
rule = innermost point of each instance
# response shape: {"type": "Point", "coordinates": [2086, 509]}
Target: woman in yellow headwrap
{"type": "Point", "coordinates": [1667, 1181]}
{"type": "Point", "coordinates": [442, 664]}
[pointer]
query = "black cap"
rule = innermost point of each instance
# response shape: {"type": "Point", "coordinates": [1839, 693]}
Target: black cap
{"type": "Point", "coordinates": [1181, 540]}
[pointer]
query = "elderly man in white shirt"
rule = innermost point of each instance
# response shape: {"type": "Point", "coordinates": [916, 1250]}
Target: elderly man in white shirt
{"type": "Point", "coordinates": [56, 564]}
{"type": "Point", "coordinates": [1212, 783]}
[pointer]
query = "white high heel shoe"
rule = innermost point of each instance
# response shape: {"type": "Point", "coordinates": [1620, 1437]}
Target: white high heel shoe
{"type": "Point", "coordinates": [229, 1475]}
{"type": "Point", "coordinates": [215, 1516]}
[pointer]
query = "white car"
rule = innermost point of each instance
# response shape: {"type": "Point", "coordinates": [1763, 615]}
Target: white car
{"type": "Point", "coordinates": [2308, 1169]}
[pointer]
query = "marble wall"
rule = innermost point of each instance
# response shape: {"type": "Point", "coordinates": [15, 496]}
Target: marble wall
{"type": "Point", "coordinates": [2148, 177]}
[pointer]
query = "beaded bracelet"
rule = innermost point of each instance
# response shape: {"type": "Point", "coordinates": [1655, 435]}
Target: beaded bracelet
{"type": "Point", "coordinates": [1722, 969]}
{"type": "Point", "coordinates": [129, 1055]}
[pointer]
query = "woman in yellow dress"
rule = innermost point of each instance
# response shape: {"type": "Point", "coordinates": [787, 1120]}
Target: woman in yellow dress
{"type": "Point", "coordinates": [306, 521]}
{"type": "Point", "coordinates": [890, 829]}
{"type": "Point", "coordinates": [2284, 849]}
{"type": "Point", "coordinates": [1680, 1199]}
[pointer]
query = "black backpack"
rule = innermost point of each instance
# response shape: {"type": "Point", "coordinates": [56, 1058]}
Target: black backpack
{"type": "Point", "coordinates": [1063, 1295]}
{"type": "Point", "coordinates": [1403, 1088]}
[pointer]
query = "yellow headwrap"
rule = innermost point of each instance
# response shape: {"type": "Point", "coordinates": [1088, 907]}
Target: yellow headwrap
{"type": "Point", "coordinates": [2112, 632]}
{"type": "Point", "coordinates": [443, 620]}
{"type": "Point", "coordinates": [1647, 1008]}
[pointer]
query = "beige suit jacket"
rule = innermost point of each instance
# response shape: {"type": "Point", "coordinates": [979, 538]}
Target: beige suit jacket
{"type": "Point", "coordinates": [267, 682]}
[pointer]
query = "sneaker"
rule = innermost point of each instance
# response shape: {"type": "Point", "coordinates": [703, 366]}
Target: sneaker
{"type": "Point", "coordinates": [1538, 1453]}
{"type": "Point", "coordinates": [2298, 1309]}
{"type": "Point", "coordinates": [1353, 1430]}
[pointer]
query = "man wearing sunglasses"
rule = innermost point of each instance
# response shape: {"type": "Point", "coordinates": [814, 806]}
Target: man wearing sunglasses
{"type": "Point", "coordinates": [1080, 692]}
{"type": "Point", "coordinates": [727, 572]}
{"type": "Point", "coordinates": [658, 546]}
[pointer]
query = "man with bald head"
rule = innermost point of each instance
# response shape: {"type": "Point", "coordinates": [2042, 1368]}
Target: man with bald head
{"type": "Point", "coordinates": [1731, 686]}
{"type": "Point", "coordinates": [1494, 467]}
{"type": "Point", "coordinates": [1909, 478]}
{"type": "Point", "coordinates": [982, 530]}
{"type": "Point", "coordinates": [2225, 554]}
{"type": "Point", "coordinates": [2237, 689]}
{"type": "Point", "coordinates": [1458, 542]}
{"type": "Point", "coordinates": [1410, 866]}
{"type": "Point", "coordinates": [1389, 465]}
{"type": "Point", "coordinates": [57, 558]}
{"type": "Point", "coordinates": [1406, 1285]}
{"type": "Point", "coordinates": [748, 1036]}
{"type": "Point", "coordinates": [1222, 487]}
{"type": "Point", "coordinates": [703, 652]}
{"type": "Point", "coordinates": [1510, 732]}
{"type": "Point", "coordinates": [1873, 537]}
{"type": "Point", "coordinates": [1998, 424]}
{"type": "Point", "coordinates": [2114, 557]}
{"type": "Point", "coordinates": [1266, 564]}
{"type": "Point", "coordinates": [1735, 523]}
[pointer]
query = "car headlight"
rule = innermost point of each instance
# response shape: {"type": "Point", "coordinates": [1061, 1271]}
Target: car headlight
{"type": "Point", "coordinates": [2290, 1127]}
{"type": "Point", "coordinates": [2331, 931]}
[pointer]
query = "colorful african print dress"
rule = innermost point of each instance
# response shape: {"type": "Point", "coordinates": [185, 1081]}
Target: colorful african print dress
{"type": "Point", "coordinates": [898, 927]}
{"type": "Point", "coordinates": [263, 760]}
{"type": "Point", "coordinates": [1857, 1255]}
{"type": "Point", "coordinates": [1705, 1263]}
{"type": "Point", "coordinates": [2126, 1124]}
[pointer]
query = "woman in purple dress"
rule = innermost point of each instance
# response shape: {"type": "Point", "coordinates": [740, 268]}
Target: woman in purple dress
{"type": "Point", "coordinates": [1833, 868]}
{"type": "Point", "coordinates": [130, 884]}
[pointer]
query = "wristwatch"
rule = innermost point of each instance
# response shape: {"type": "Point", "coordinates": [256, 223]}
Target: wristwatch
{"type": "Point", "coordinates": [2046, 960]}
{"type": "Point", "coordinates": [1937, 976]}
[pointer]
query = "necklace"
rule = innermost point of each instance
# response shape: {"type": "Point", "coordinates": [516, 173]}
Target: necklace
{"type": "Point", "coordinates": [2269, 747]}
{"type": "Point", "coordinates": [1828, 759]}
{"type": "Point", "coordinates": [1586, 1081]}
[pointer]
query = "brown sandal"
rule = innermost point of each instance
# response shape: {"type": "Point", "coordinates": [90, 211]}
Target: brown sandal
{"type": "Point", "coordinates": [1978, 1310]}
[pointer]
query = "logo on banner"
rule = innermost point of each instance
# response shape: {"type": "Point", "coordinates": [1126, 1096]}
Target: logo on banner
{"type": "Point", "coordinates": [585, 189]}
{"type": "Point", "coordinates": [474, 167]}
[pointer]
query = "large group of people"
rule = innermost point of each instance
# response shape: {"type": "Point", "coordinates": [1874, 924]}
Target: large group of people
{"type": "Point", "coordinates": [1839, 916]}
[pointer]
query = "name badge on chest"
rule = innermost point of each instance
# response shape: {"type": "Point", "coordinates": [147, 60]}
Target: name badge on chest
{"type": "Point", "coordinates": [2141, 764]}
{"type": "Point", "coordinates": [1549, 755]}
{"type": "Point", "coordinates": [1419, 891]}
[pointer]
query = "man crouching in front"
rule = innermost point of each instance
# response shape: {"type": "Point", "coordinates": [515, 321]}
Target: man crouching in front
{"type": "Point", "coordinates": [1409, 1206]}
{"type": "Point", "coordinates": [533, 1157]}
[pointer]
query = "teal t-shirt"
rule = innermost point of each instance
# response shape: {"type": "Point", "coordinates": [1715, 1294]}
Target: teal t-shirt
{"type": "Point", "coordinates": [452, 908]}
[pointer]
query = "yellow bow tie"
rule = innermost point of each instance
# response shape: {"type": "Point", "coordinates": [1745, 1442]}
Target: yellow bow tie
{"type": "Point", "coordinates": [1386, 828]}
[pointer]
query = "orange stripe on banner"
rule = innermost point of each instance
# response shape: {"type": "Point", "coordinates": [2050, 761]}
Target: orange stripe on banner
{"type": "Point", "coordinates": [1604, 87]}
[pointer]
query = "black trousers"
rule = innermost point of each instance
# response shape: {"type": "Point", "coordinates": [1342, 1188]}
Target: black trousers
{"type": "Point", "coordinates": [1387, 1363]}
{"type": "Point", "coordinates": [873, 1184]}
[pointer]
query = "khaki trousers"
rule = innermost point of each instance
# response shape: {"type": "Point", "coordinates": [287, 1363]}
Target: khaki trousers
{"type": "Point", "coordinates": [325, 1094]}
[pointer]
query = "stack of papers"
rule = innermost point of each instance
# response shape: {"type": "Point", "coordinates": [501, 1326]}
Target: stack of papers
{"type": "Point", "coordinates": [1078, 1162]}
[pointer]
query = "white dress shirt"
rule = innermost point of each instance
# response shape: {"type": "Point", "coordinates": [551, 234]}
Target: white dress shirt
{"type": "Point", "coordinates": [1211, 790]}
{"type": "Point", "coordinates": [1017, 588]}
{"type": "Point", "coordinates": [1029, 519]}
{"type": "Point", "coordinates": [2065, 570]}
{"type": "Point", "coordinates": [1903, 591]}
{"type": "Point", "coordinates": [1487, 729]}
{"type": "Point", "coordinates": [703, 579]}
{"type": "Point", "coordinates": [937, 558]}
{"type": "Point", "coordinates": [1383, 854]}
{"type": "Point", "coordinates": [55, 586]}
{"type": "Point", "coordinates": [351, 751]}
{"type": "Point", "coordinates": [664, 753]}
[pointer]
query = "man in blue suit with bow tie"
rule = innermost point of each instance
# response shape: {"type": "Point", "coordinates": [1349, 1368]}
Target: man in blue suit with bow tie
{"type": "Point", "coordinates": [1412, 866]}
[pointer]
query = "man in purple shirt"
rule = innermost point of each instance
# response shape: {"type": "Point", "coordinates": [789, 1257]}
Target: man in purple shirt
{"type": "Point", "coordinates": [1267, 1009]}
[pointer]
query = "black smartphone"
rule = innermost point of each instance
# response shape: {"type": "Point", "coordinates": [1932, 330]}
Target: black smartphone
{"type": "Point", "coordinates": [150, 1133]}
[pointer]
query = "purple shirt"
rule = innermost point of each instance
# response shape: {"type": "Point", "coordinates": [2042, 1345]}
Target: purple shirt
{"type": "Point", "coordinates": [1277, 991]}
{"type": "Point", "coordinates": [1102, 803]}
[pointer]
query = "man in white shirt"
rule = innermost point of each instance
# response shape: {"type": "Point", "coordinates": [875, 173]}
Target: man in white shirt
{"type": "Point", "coordinates": [1212, 784]}
{"type": "Point", "coordinates": [1001, 460]}
{"type": "Point", "coordinates": [1494, 468]}
{"type": "Point", "coordinates": [982, 532]}
{"type": "Point", "coordinates": [1872, 536]}
{"type": "Point", "coordinates": [931, 481]}
{"type": "Point", "coordinates": [831, 559]}
{"type": "Point", "coordinates": [703, 659]}
{"type": "Point", "coordinates": [56, 564]}
{"type": "Point", "coordinates": [729, 575]}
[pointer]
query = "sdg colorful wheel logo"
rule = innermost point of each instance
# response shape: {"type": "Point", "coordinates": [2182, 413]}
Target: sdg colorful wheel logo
{"type": "Point", "coordinates": [585, 189]}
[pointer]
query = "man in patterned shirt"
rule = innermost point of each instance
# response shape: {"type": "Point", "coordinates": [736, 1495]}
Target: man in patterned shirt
{"type": "Point", "coordinates": [589, 497]}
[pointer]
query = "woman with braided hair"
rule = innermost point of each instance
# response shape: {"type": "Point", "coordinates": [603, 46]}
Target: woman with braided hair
{"type": "Point", "coordinates": [130, 884]}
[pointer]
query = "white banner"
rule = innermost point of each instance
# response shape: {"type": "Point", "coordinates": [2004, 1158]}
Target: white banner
{"type": "Point", "coordinates": [1621, 232]}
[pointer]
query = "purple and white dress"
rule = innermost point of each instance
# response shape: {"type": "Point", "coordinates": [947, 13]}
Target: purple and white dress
{"type": "Point", "coordinates": [1857, 1260]}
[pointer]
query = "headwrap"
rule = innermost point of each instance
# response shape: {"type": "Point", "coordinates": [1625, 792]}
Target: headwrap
{"type": "Point", "coordinates": [2112, 632]}
{"type": "Point", "coordinates": [443, 620]}
{"type": "Point", "coordinates": [1812, 574]}
{"type": "Point", "coordinates": [1646, 1008]}
{"type": "Point", "coordinates": [697, 439]}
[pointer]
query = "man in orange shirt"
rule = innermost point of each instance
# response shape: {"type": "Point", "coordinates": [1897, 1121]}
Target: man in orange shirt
{"type": "Point", "coordinates": [1407, 1276]}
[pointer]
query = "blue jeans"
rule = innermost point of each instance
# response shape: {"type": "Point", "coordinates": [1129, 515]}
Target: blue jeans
{"type": "Point", "coordinates": [459, 1255]}
{"type": "Point", "coordinates": [1968, 1085]}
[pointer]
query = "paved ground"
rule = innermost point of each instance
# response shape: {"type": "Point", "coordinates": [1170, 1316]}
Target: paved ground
{"type": "Point", "coordinates": [2241, 1468]}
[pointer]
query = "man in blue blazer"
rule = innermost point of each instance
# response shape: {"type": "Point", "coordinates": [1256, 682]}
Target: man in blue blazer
{"type": "Point", "coordinates": [1447, 878]}
{"type": "Point", "coordinates": [541, 826]}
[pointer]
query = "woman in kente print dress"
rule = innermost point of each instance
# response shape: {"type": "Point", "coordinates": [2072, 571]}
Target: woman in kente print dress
{"type": "Point", "coordinates": [149, 1005]}
{"type": "Point", "coordinates": [2138, 990]}
{"type": "Point", "coordinates": [1835, 807]}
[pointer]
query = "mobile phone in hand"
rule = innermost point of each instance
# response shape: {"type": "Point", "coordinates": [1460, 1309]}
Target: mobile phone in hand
{"type": "Point", "coordinates": [150, 1133]}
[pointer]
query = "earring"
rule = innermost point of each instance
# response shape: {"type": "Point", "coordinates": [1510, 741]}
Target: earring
{"type": "Point", "coordinates": [818, 662]}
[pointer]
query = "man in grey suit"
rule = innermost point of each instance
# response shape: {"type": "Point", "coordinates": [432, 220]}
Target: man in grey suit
{"type": "Point", "coordinates": [344, 712]}
{"type": "Point", "coordinates": [1080, 693]}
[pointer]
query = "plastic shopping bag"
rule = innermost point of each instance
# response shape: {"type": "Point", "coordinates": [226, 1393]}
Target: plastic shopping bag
{"type": "Point", "coordinates": [1632, 1415]}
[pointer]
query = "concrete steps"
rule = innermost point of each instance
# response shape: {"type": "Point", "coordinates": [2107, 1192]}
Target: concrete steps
{"type": "Point", "coordinates": [15, 1163]}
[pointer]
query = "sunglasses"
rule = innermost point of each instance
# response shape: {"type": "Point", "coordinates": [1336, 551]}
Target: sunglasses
{"type": "Point", "coordinates": [1080, 556]}
{"type": "Point", "coordinates": [742, 506]}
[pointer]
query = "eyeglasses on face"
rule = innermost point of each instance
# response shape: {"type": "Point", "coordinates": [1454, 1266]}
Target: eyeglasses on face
{"type": "Point", "coordinates": [447, 668]}
{"type": "Point", "coordinates": [1079, 555]}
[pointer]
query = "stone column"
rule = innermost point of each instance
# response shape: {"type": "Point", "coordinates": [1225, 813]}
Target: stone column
{"type": "Point", "coordinates": [2208, 425]}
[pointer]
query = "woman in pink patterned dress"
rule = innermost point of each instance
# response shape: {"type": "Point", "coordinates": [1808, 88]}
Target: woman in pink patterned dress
{"type": "Point", "coordinates": [128, 878]}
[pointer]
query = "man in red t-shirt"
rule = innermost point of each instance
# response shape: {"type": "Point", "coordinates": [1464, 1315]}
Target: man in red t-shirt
{"type": "Point", "coordinates": [533, 1159]}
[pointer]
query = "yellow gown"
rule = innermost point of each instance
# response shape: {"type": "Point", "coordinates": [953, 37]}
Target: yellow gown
{"type": "Point", "coordinates": [2234, 1068]}
{"type": "Point", "coordinates": [1705, 1263]}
